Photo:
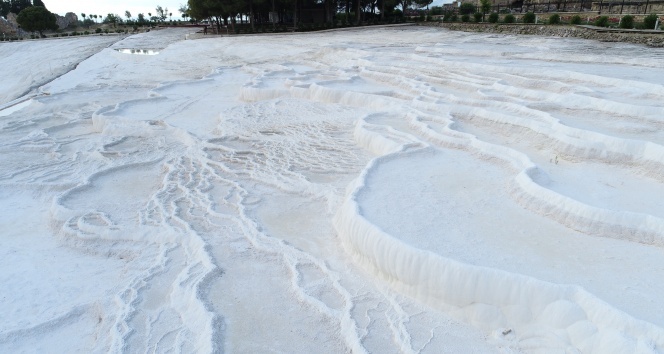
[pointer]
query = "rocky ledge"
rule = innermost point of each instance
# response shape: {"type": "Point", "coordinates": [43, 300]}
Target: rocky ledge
{"type": "Point", "coordinates": [649, 39]}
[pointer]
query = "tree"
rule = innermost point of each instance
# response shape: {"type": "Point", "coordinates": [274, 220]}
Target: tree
{"type": "Point", "coordinates": [86, 22]}
{"type": "Point", "coordinates": [112, 18]}
{"type": "Point", "coordinates": [423, 3]}
{"type": "Point", "coordinates": [387, 7]}
{"type": "Point", "coordinates": [38, 3]}
{"type": "Point", "coordinates": [16, 6]}
{"type": "Point", "coordinates": [37, 19]}
{"type": "Point", "coordinates": [140, 19]}
{"type": "Point", "coordinates": [161, 13]}
{"type": "Point", "coordinates": [216, 10]}
{"type": "Point", "coordinates": [128, 15]}
{"type": "Point", "coordinates": [184, 10]}
{"type": "Point", "coordinates": [466, 8]}
{"type": "Point", "coordinates": [485, 6]}
{"type": "Point", "coordinates": [4, 7]}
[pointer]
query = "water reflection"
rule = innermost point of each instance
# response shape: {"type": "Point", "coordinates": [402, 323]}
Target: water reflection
{"type": "Point", "coordinates": [138, 51]}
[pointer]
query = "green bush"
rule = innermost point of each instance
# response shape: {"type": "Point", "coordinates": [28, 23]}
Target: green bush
{"type": "Point", "coordinates": [478, 16]}
{"type": "Point", "coordinates": [493, 18]}
{"type": "Point", "coordinates": [509, 18]}
{"type": "Point", "coordinates": [627, 22]}
{"type": "Point", "coordinates": [454, 18]}
{"type": "Point", "coordinates": [98, 30]}
{"type": "Point", "coordinates": [554, 19]}
{"type": "Point", "coordinates": [649, 21]}
{"type": "Point", "coordinates": [529, 17]}
{"type": "Point", "coordinates": [465, 18]}
{"type": "Point", "coordinates": [602, 21]}
{"type": "Point", "coordinates": [86, 33]}
{"type": "Point", "coordinates": [575, 20]}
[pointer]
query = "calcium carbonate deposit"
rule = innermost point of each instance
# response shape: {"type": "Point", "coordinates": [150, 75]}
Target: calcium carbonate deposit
{"type": "Point", "coordinates": [390, 190]}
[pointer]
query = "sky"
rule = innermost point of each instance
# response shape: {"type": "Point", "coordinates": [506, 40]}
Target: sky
{"type": "Point", "coordinates": [104, 7]}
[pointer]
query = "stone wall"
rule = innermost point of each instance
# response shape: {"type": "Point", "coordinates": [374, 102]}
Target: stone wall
{"type": "Point", "coordinates": [605, 6]}
{"type": "Point", "coordinates": [630, 7]}
{"type": "Point", "coordinates": [652, 40]}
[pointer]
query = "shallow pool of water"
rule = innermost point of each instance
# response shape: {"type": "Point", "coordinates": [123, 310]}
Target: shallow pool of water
{"type": "Point", "coordinates": [138, 51]}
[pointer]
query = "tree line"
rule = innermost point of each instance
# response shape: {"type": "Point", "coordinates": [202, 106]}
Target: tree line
{"type": "Point", "coordinates": [228, 12]}
{"type": "Point", "coordinates": [16, 6]}
{"type": "Point", "coordinates": [160, 15]}
{"type": "Point", "coordinates": [33, 16]}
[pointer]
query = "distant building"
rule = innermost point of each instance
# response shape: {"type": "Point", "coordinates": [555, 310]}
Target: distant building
{"type": "Point", "coordinates": [451, 6]}
{"type": "Point", "coordinates": [631, 7]}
